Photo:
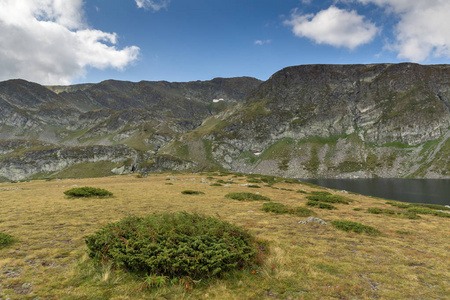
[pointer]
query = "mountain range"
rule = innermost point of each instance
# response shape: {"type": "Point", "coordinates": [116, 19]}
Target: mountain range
{"type": "Point", "coordinates": [334, 121]}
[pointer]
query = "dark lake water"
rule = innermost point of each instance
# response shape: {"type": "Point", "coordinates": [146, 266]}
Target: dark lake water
{"type": "Point", "coordinates": [435, 191]}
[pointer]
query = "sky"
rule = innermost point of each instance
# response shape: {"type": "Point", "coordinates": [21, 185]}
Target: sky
{"type": "Point", "coordinates": [61, 42]}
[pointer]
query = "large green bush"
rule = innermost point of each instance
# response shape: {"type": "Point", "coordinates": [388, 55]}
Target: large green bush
{"type": "Point", "coordinates": [247, 197]}
{"type": "Point", "coordinates": [87, 191]}
{"type": "Point", "coordinates": [174, 245]}
{"type": "Point", "coordinates": [5, 240]}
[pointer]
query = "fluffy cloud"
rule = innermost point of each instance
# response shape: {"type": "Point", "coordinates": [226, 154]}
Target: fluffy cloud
{"type": "Point", "coordinates": [152, 4]}
{"type": "Point", "coordinates": [423, 30]}
{"type": "Point", "coordinates": [48, 41]}
{"type": "Point", "coordinates": [334, 26]}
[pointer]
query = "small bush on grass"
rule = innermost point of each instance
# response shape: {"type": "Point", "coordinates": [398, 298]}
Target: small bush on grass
{"type": "Point", "coordinates": [432, 206]}
{"type": "Point", "coordinates": [279, 208]}
{"type": "Point", "coordinates": [254, 186]}
{"type": "Point", "coordinates": [328, 198]}
{"type": "Point", "coordinates": [398, 204]}
{"type": "Point", "coordinates": [378, 211]}
{"type": "Point", "coordinates": [254, 180]}
{"type": "Point", "coordinates": [215, 184]}
{"type": "Point", "coordinates": [423, 208]}
{"type": "Point", "coordinates": [354, 226]}
{"type": "Point", "coordinates": [175, 245]}
{"type": "Point", "coordinates": [302, 192]}
{"type": "Point", "coordinates": [321, 205]}
{"type": "Point", "coordinates": [428, 211]}
{"type": "Point", "coordinates": [5, 240]}
{"type": "Point", "coordinates": [191, 192]}
{"type": "Point", "coordinates": [303, 212]}
{"type": "Point", "coordinates": [320, 193]}
{"type": "Point", "coordinates": [404, 214]}
{"type": "Point", "coordinates": [87, 192]}
{"type": "Point", "coordinates": [247, 197]}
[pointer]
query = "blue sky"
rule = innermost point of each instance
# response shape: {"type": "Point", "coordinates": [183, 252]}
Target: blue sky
{"type": "Point", "coordinates": [76, 41]}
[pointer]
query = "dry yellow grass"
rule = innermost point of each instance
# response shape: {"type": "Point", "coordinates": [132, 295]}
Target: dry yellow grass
{"type": "Point", "coordinates": [409, 260]}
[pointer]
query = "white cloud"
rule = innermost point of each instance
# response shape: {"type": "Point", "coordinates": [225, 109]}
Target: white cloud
{"type": "Point", "coordinates": [333, 26]}
{"type": "Point", "coordinates": [48, 41]}
{"type": "Point", "coordinates": [423, 30]}
{"type": "Point", "coordinates": [152, 4]}
{"type": "Point", "coordinates": [262, 42]}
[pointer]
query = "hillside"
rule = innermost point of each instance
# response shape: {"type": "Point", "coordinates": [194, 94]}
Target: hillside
{"type": "Point", "coordinates": [407, 259]}
{"type": "Point", "coordinates": [335, 121]}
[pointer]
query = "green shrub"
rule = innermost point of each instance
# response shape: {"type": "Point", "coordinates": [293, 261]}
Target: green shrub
{"type": "Point", "coordinates": [375, 210]}
{"type": "Point", "coordinates": [254, 186]}
{"type": "Point", "coordinates": [302, 192]}
{"type": "Point", "coordinates": [354, 226]}
{"type": "Point", "coordinates": [303, 212]}
{"type": "Point", "coordinates": [428, 211]}
{"type": "Point", "coordinates": [215, 184]}
{"type": "Point", "coordinates": [328, 198]}
{"type": "Point", "coordinates": [291, 180]}
{"type": "Point", "coordinates": [405, 214]}
{"type": "Point", "coordinates": [174, 245]}
{"type": "Point", "coordinates": [320, 193]}
{"type": "Point", "coordinates": [247, 197]}
{"type": "Point", "coordinates": [269, 179]}
{"type": "Point", "coordinates": [398, 204]}
{"type": "Point", "coordinates": [254, 180]}
{"type": "Point", "coordinates": [87, 191]}
{"type": "Point", "coordinates": [409, 215]}
{"type": "Point", "coordinates": [5, 240]}
{"type": "Point", "coordinates": [277, 208]}
{"type": "Point", "coordinates": [357, 209]}
{"type": "Point", "coordinates": [432, 206]}
{"type": "Point", "coordinates": [320, 205]}
{"type": "Point", "coordinates": [191, 192]}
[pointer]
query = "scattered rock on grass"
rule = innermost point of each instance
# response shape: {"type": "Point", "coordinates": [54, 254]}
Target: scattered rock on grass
{"type": "Point", "coordinates": [313, 219]}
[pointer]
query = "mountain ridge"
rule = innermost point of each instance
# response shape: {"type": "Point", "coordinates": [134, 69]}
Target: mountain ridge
{"type": "Point", "coordinates": [345, 121]}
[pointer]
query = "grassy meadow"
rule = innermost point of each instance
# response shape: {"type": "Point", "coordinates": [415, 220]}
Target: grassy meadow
{"type": "Point", "coordinates": [408, 259]}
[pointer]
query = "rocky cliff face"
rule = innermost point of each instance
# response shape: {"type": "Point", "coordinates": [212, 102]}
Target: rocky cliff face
{"type": "Point", "coordinates": [335, 121]}
{"type": "Point", "coordinates": [380, 120]}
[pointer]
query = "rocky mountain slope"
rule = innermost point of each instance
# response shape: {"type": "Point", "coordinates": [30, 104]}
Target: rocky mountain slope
{"type": "Point", "coordinates": [380, 120]}
{"type": "Point", "coordinates": [345, 121]}
{"type": "Point", "coordinates": [142, 116]}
